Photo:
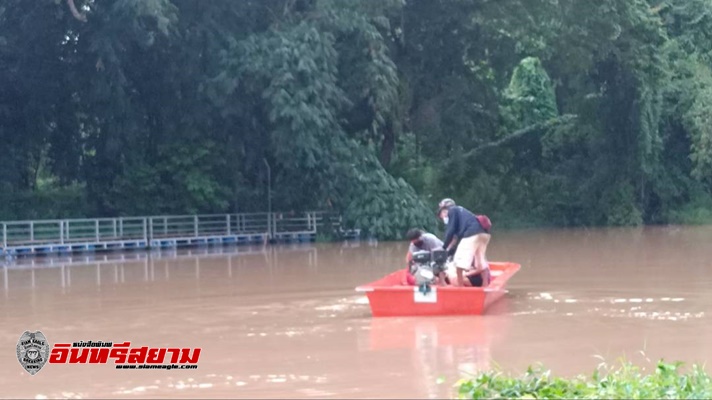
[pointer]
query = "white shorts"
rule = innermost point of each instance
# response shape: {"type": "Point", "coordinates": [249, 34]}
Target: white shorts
{"type": "Point", "coordinates": [465, 253]}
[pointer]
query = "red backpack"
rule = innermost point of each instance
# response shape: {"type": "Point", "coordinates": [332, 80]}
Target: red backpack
{"type": "Point", "coordinates": [485, 222]}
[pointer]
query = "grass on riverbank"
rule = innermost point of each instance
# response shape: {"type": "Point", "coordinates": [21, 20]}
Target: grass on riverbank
{"type": "Point", "coordinates": [625, 381]}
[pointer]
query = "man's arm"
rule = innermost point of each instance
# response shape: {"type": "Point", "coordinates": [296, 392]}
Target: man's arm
{"type": "Point", "coordinates": [412, 249]}
{"type": "Point", "coordinates": [408, 260]}
{"type": "Point", "coordinates": [453, 223]}
{"type": "Point", "coordinates": [453, 245]}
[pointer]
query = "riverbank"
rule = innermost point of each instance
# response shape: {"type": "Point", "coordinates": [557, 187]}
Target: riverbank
{"type": "Point", "coordinates": [49, 203]}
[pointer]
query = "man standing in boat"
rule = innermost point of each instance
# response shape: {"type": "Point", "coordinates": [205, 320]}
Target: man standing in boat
{"type": "Point", "coordinates": [465, 233]}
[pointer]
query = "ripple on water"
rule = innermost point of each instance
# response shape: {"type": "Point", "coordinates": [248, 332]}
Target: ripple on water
{"type": "Point", "coordinates": [636, 310]}
{"type": "Point", "coordinates": [66, 395]}
{"type": "Point", "coordinates": [343, 304]}
{"type": "Point", "coordinates": [565, 298]}
{"type": "Point", "coordinates": [653, 315]}
{"type": "Point", "coordinates": [316, 392]}
{"type": "Point", "coordinates": [534, 312]}
{"type": "Point", "coordinates": [137, 390]}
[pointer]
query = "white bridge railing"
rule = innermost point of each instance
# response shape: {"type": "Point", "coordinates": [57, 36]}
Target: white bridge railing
{"type": "Point", "coordinates": [107, 230]}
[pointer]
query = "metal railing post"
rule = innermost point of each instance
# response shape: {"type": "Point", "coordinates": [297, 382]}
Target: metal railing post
{"type": "Point", "coordinates": [274, 225]}
{"type": "Point", "coordinates": [61, 232]}
{"type": "Point", "coordinates": [146, 234]}
{"type": "Point", "coordinates": [195, 225]}
{"type": "Point", "coordinates": [227, 222]}
{"type": "Point", "coordinates": [32, 231]}
{"type": "Point", "coordinates": [121, 227]}
{"type": "Point", "coordinates": [269, 225]}
{"type": "Point", "coordinates": [96, 229]}
{"type": "Point", "coordinates": [4, 236]}
{"type": "Point", "coordinates": [113, 223]}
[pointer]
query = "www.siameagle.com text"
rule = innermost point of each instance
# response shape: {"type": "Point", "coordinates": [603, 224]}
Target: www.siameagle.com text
{"type": "Point", "coordinates": [146, 366]}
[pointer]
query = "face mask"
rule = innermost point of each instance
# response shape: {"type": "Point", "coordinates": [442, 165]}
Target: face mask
{"type": "Point", "coordinates": [445, 220]}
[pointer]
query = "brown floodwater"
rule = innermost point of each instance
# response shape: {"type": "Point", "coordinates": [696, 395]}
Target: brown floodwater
{"type": "Point", "coordinates": [285, 321]}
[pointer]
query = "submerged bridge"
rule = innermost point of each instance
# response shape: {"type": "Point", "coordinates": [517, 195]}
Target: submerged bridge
{"type": "Point", "coordinates": [27, 238]}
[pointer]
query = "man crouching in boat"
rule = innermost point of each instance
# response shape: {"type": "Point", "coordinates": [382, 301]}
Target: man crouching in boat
{"type": "Point", "coordinates": [470, 261]}
{"type": "Point", "coordinates": [421, 241]}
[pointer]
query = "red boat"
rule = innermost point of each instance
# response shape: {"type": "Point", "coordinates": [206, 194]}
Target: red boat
{"type": "Point", "coordinates": [388, 297]}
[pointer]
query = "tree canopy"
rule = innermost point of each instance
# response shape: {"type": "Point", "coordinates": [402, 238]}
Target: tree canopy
{"type": "Point", "coordinates": [535, 112]}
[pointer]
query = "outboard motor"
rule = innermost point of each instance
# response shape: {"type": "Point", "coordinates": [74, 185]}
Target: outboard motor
{"type": "Point", "coordinates": [439, 259]}
{"type": "Point", "coordinates": [422, 268]}
{"type": "Point", "coordinates": [427, 265]}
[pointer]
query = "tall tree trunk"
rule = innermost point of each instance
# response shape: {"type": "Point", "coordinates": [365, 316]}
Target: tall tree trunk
{"type": "Point", "coordinates": [388, 144]}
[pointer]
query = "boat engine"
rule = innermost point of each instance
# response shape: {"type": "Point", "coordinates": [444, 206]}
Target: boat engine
{"type": "Point", "coordinates": [421, 268]}
{"type": "Point", "coordinates": [427, 265]}
{"type": "Point", "coordinates": [439, 260]}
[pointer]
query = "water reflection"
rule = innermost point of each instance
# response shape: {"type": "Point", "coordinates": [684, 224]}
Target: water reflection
{"type": "Point", "coordinates": [110, 268]}
{"type": "Point", "coordinates": [443, 349]}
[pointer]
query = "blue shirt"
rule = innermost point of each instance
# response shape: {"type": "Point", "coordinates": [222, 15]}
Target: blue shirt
{"type": "Point", "coordinates": [461, 222]}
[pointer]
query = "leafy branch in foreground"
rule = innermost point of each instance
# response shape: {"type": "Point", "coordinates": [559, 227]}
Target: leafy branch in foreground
{"type": "Point", "coordinates": [626, 381]}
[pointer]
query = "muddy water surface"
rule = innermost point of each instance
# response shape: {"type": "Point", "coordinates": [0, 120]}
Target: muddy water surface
{"type": "Point", "coordinates": [285, 322]}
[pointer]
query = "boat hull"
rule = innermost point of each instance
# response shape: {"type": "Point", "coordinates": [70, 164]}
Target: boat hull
{"type": "Point", "coordinates": [387, 297]}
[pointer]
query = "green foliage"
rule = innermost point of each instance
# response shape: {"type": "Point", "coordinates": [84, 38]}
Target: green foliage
{"type": "Point", "coordinates": [377, 109]}
{"type": "Point", "coordinates": [304, 98]}
{"type": "Point", "coordinates": [626, 381]}
{"type": "Point", "coordinates": [48, 203]}
{"type": "Point", "coordinates": [382, 206]}
{"type": "Point", "coordinates": [529, 98]}
{"type": "Point", "coordinates": [696, 212]}
{"type": "Point", "coordinates": [618, 206]}
{"type": "Point", "coordinates": [184, 179]}
{"type": "Point", "coordinates": [696, 119]}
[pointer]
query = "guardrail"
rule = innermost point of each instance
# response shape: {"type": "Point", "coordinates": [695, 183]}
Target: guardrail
{"type": "Point", "coordinates": [68, 235]}
{"type": "Point", "coordinates": [72, 231]}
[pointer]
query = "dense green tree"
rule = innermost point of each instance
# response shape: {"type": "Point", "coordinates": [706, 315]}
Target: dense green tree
{"type": "Point", "coordinates": [563, 112]}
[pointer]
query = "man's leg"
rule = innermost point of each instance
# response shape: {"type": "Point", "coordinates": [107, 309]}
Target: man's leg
{"type": "Point", "coordinates": [462, 278]}
{"type": "Point", "coordinates": [443, 279]}
{"type": "Point", "coordinates": [483, 240]}
{"type": "Point", "coordinates": [464, 257]}
{"type": "Point", "coordinates": [451, 272]}
{"type": "Point", "coordinates": [481, 256]}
